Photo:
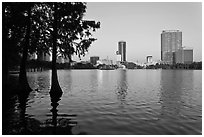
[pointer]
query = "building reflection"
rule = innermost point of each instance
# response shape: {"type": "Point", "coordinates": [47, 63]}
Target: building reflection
{"type": "Point", "coordinates": [43, 82]}
{"type": "Point", "coordinates": [94, 80]}
{"type": "Point", "coordinates": [171, 93]}
{"type": "Point", "coordinates": [100, 77]}
{"type": "Point", "coordinates": [122, 86]}
{"type": "Point", "coordinates": [65, 78]}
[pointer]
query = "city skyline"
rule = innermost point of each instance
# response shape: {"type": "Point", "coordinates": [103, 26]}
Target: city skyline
{"type": "Point", "coordinates": [130, 22]}
{"type": "Point", "coordinates": [138, 78]}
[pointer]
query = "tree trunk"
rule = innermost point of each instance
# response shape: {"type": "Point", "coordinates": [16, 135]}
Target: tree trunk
{"type": "Point", "coordinates": [55, 87]}
{"type": "Point", "coordinates": [22, 76]}
{"type": "Point", "coordinates": [4, 48]}
{"type": "Point", "coordinates": [54, 103]}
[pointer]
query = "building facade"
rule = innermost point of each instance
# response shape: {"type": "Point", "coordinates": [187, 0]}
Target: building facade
{"type": "Point", "coordinates": [94, 60]}
{"type": "Point", "coordinates": [171, 46]}
{"type": "Point", "coordinates": [149, 59]}
{"type": "Point", "coordinates": [178, 56]}
{"type": "Point", "coordinates": [122, 50]}
{"type": "Point", "coordinates": [188, 56]}
{"type": "Point", "coordinates": [43, 56]}
{"type": "Point", "coordinates": [105, 61]}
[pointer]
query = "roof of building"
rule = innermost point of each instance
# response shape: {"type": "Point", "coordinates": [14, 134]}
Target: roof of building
{"type": "Point", "coordinates": [122, 41]}
{"type": "Point", "coordinates": [164, 31]}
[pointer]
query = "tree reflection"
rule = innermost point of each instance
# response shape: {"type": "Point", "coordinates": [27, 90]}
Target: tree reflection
{"type": "Point", "coordinates": [24, 124]}
{"type": "Point", "coordinates": [23, 98]}
{"type": "Point", "coordinates": [21, 123]}
{"type": "Point", "coordinates": [54, 103]}
{"type": "Point", "coordinates": [64, 125]}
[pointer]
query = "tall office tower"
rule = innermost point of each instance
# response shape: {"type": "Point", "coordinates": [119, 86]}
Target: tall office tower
{"type": "Point", "coordinates": [171, 44]}
{"type": "Point", "coordinates": [122, 50]}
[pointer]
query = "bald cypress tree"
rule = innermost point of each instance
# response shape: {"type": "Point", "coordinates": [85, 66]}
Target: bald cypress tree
{"type": "Point", "coordinates": [71, 34]}
{"type": "Point", "coordinates": [16, 35]}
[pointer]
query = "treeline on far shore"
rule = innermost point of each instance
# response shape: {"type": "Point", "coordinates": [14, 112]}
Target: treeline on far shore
{"type": "Point", "coordinates": [194, 65]}
{"type": "Point", "coordinates": [36, 65]}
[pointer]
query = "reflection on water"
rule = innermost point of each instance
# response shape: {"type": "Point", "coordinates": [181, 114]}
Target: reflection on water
{"type": "Point", "coordinates": [23, 98]}
{"type": "Point", "coordinates": [122, 85]}
{"type": "Point", "coordinates": [54, 103]}
{"type": "Point", "coordinates": [62, 125]}
{"type": "Point", "coordinates": [108, 102]}
{"type": "Point", "coordinates": [175, 89]}
{"type": "Point", "coordinates": [171, 92]}
{"type": "Point", "coordinates": [18, 121]}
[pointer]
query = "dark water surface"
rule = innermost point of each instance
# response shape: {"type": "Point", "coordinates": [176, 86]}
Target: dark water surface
{"type": "Point", "coordinates": [109, 102]}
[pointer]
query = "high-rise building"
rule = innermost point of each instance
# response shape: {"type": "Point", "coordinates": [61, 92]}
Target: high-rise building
{"type": "Point", "coordinates": [43, 56]}
{"type": "Point", "coordinates": [122, 50]}
{"type": "Point", "coordinates": [172, 51]}
{"type": "Point", "coordinates": [171, 45]}
{"type": "Point", "coordinates": [178, 56]}
{"type": "Point", "coordinates": [94, 60]}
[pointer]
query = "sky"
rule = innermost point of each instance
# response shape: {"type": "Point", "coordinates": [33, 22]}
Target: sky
{"type": "Point", "coordinates": [140, 25]}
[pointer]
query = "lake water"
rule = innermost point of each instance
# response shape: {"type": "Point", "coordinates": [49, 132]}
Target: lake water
{"type": "Point", "coordinates": [112, 102]}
